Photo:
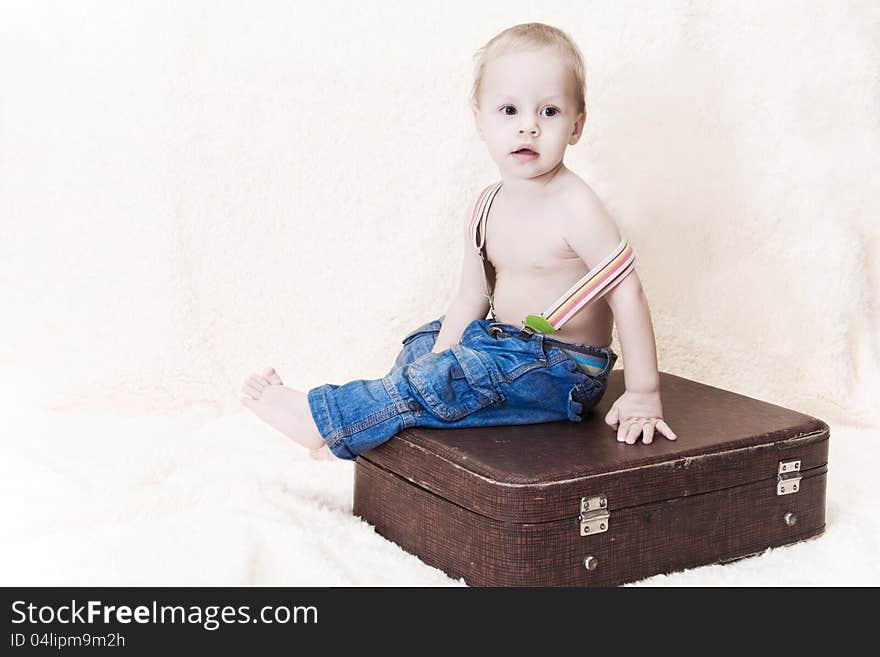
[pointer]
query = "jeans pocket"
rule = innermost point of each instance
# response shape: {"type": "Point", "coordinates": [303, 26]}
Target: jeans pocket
{"type": "Point", "coordinates": [453, 383]}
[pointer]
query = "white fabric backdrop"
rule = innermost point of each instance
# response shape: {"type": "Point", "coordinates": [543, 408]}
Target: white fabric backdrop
{"type": "Point", "coordinates": [189, 191]}
{"type": "Point", "coordinates": [192, 191]}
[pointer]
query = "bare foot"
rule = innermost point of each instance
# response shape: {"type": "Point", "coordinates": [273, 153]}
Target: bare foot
{"type": "Point", "coordinates": [322, 454]}
{"type": "Point", "coordinates": [284, 409]}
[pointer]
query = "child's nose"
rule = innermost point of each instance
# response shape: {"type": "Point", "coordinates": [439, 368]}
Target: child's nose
{"type": "Point", "coordinates": [527, 123]}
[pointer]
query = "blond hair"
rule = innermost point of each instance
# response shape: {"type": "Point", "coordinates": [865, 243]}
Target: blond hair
{"type": "Point", "coordinates": [531, 36]}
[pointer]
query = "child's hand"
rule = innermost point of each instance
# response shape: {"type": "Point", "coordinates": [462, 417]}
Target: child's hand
{"type": "Point", "coordinates": [638, 412]}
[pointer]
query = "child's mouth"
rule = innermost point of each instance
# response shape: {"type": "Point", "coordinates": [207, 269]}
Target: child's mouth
{"type": "Point", "coordinates": [525, 154]}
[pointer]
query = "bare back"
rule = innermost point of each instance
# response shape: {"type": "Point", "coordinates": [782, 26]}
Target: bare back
{"type": "Point", "coordinates": [534, 265]}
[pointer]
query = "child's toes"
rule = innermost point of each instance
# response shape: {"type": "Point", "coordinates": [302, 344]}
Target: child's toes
{"type": "Point", "coordinates": [272, 376]}
{"type": "Point", "coordinates": [258, 381]}
{"type": "Point", "coordinates": [322, 453]}
{"type": "Point", "coordinates": [253, 386]}
{"type": "Point", "coordinates": [247, 393]}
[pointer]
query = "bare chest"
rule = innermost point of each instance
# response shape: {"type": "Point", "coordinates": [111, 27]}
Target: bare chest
{"type": "Point", "coordinates": [528, 241]}
{"type": "Point", "coordinates": [532, 265]}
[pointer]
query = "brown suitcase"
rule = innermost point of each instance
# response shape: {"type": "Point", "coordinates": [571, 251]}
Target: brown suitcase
{"type": "Point", "coordinates": [565, 504]}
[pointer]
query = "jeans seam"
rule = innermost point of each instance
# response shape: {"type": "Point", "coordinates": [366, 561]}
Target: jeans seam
{"type": "Point", "coordinates": [423, 388]}
{"type": "Point", "coordinates": [366, 423]}
{"type": "Point", "coordinates": [422, 330]}
{"type": "Point", "coordinates": [407, 418]}
{"type": "Point", "coordinates": [496, 376]}
{"type": "Point", "coordinates": [519, 370]}
{"type": "Point", "coordinates": [399, 402]}
{"type": "Point", "coordinates": [327, 410]}
{"type": "Point", "coordinates": [331, 438]}
{"type": "Point", "coordinates": [412, 337]}
{"type": "Point", "coordinates": [335, 435]}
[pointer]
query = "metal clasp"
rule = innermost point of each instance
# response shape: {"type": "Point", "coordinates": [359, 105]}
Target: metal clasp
{"type": "Point", "coordinates": [594, 515]}
{"type": "Point", "coordinates": [788, 478]}
{"type": "Point", "coordinates": [526, 332]}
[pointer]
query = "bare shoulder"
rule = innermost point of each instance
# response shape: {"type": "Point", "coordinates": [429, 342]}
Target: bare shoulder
{"type": "Point", "coordinates": [588, 227]}
{"type": "Point", "coordinates": [581, 204]}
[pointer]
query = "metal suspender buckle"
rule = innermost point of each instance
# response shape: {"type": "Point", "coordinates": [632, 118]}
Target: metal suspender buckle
{"type": "Point", "coordinates": [526, 332]}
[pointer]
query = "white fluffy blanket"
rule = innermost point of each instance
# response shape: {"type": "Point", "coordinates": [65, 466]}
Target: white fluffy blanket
{"type": "Point", "coordinates": [195, 499]}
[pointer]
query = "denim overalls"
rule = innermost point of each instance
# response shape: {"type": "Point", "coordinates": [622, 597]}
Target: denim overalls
{"type": "Point", "coordinates": [497, 374]}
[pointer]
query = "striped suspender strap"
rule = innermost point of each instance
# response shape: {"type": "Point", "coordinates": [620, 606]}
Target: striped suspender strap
{"type": "Point", "coordinates": [597, 282]}
{"type": "Point", "coordinates": [477, 232]}
{"type": "Point", "coordinates": [477, 225]}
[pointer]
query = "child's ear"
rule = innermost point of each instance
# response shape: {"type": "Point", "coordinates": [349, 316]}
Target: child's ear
{"type": "Point", "coordinates": [476, 113]}
{"type": "Point", "coordinates": [578, 129]}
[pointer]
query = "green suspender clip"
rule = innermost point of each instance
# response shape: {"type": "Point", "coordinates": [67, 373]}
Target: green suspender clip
{"type": "Point", "coordinates": [537, 324]}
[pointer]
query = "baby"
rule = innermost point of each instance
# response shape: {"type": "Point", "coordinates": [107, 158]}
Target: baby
{"type": "Point", "coordinates": [547, 235]}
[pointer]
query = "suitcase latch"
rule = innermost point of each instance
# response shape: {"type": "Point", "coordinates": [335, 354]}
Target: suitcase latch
{"type": "Point", "coordinates": [594, 515]}
{"type": "Point", "coordinates": [788, 480]}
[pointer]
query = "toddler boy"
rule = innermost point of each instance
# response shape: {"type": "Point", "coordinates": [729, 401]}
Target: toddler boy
{"type": "Point", "coordinates": [537, 233]}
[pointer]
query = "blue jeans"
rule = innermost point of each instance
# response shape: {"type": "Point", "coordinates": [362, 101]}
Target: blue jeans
{"type": "Point", "coordinates": [494, 376]}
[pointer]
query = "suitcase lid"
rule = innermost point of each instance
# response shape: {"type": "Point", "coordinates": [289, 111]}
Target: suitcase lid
{"type": "Point", "coordinates": [541, 472]}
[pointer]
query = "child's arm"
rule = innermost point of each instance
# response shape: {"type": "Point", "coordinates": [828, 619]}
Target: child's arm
{"type": "Point", "coordinates": [470, 302]}
{"type": "Point", "coordinates": [593, 234]}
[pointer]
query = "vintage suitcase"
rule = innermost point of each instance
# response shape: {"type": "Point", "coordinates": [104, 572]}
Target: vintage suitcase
{"type": "Point", "coordinates": [565, 504]}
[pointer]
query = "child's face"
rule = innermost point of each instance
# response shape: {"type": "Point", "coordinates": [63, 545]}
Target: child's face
{"type": "Point", "coordinates": [528, 98]}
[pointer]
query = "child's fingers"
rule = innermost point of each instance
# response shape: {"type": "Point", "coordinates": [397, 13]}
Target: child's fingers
{"type": "Point", "coordinates": [624, 433]}
{"type": "Point", "coordinates": [635, 429]}
{"type": "Point", "coordinates": [665, 430]}
{"type": "Point", "coordinates": [648, 432]}
{"type": "Point", "coordinates": [611, 418]}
